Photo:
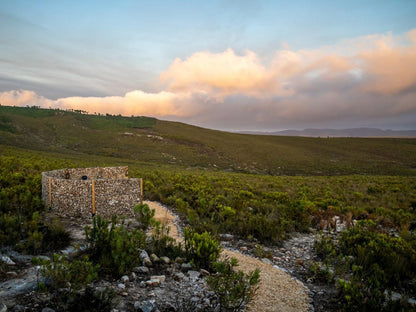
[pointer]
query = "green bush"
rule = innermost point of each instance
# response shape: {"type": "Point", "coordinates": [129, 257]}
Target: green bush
{"type": "Point", "coordinates": [114, 247]}
{"type": "Point", "coordinates": [319, 272]}
{"type": "Point", "coordinates": [10, 229]}
{"type": "Point", "coordinates": [201, 249]}
{"type": "Point", "coordinates": [60, 273]}
{"type": "Point", "coordinates": [144, 215]}
{"type": "Point", "coordinates": [161, 243]}
{"type": "Point", "coordinates": [325, 247]}
{"type": "Point", "coordinates": [235, 289]}
{"type": "Point", "coordinates": [380, 264]}
{"type": "Point", "coordinates": [55, 236]}
{"type": "Point", "coordinates": [70, 285]}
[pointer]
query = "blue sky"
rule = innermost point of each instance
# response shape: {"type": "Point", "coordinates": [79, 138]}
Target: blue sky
{"type": "Point", "coordinates": [234, 65]}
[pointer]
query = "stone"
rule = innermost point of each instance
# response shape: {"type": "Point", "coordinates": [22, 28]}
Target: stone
{"type": "Point", "coordinates": [147, 262]}
{"type": "Point", "coordinates": [141, 270]}
{"type": "Point", "coordinates": [153, 282]}
{"type": "Point", "coordinates": [124, 294]}
{"type": "Point", "coordinates": [125, 280]}
{"type": "Point", "coordinates": [143, 254]}
{"type": "Point", "coordinates": [179, 260]}
{"type": "Point", "coordinates": [243, 248]}
{"type": "Point", "coordinates": [154, 258]}
{"type": "Point", "coordinates": [48, 310]}
{"type": "Point", "coordinates": [204, 272]}
{"type": "Point", "coordinates": [11, 274]}
{"type": "Point", "coordinates": [165, 260]}
{"type": "Point", "coordinates": [161, 278]}
{"type": "Point", "coordinates": [265, 260]}
{"type": "Point", "coordinates": [179, 276]}
{"type": "Point", "coordinates": [227, 237]}
{"type": "Point", "coordinates": [121, 285]}
{"type": "Point", "coordinates": [132, 276]}
{"type": "Point", "coordinates": [16, 308]}
{"type": "Point", "coordinates": [185, 267]}
{"type": "Point", "coordinates": [194, 275]}
{"type": "Point", "coordinates": [3, 307]}
{"type": "Point", "coordinates": [7, 260]}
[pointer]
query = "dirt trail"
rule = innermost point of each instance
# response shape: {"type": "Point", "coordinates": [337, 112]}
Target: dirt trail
{"type": "Point", "coordinates": [277, 290]}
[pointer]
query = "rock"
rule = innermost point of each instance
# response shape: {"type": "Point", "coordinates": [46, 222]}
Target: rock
{"type": "Point", "coordinates": [143, 254]}
{"type": "Point", "coordinates": [3, 307]}
{"type": "Point", "coordinates": [179, 260]}
{"type": "Point", "coordinates": [165, 260]}
{"type": "Point", "coordinates": [141, 270]}
{"type": "Point", "coordinates": [185, 267]}
{"type": "Point", "coordinates": [153, 282]}
{"type": "Point", "coordinates": [124, 294]}
{"type": "Point", "coordinates": [133, 276]}
{"type": "Point", "coordinates": [154, 258]}
{"type": "Point", "coordinates": [16, 308]}
{"type": "Point", "coordinates": [243, 248]}
{"type": "Point", "coordinates": [11, 274]}
{"type": "Point", "coordinates": [48, 310]}
{"type": "Point", "coordinates": [147, 262]}
{"type": "Point", "coordinates": [122, 286]}
{"type": "Point", "coordinates": [204, 272]}
{"type": "Point", "coordinates": [178, 276]}
{"type": "Point", "coordinates": [193, 275]}
{"type": "Point", "coordinates": [125, 280]}
{"type": "Point", "coordinates": [161, 278]}
{"type": "Point", "coordinates": [226, 237]}
{"type": "Point", "coordinates": [265, 260]}
{"type": "Point", "coordinates": [7, 260]}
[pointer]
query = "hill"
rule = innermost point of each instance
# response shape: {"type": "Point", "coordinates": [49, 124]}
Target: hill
{"type": "Point", "coordinates": [155, 141]}
{"type": "Point", "coordinates": [353, 132]}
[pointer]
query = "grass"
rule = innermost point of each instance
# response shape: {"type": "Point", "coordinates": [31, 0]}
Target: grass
{"type": "Point", "coordinates": [171, 143]}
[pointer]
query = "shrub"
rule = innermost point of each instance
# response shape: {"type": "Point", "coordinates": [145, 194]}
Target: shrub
{"type": "Point", "coordinates": [60, 273]}
{"type": "Point", "coordinates": [234, 288]}
{"type": "Point", "coordinates": [320, 272]}
{"type": "Point", "coordinates": [161, 243]}
{"type": "Point", "coordinates": [55, 236]}
{"type": "Point", "coordinates": [10, 229]}
{"type": "Point", "coordinates": [324, 247]}
{"type": "Point", "coordinates": [144, 215]}
{"type": "Point", "coordinates": [69, 283]}
{"type": "Point", "coordinates": [115, 247]}
{"type": "Point", "coordinates": [380, 264]}
{"type": "Point", "coordinates": [201, 249]}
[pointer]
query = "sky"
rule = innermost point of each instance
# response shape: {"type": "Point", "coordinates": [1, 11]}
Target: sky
{"type": "Point", "coordinates": [229, 65]}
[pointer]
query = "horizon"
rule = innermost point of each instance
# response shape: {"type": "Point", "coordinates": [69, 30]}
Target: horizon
{"type": "Point", "coordinates": [225, 65]}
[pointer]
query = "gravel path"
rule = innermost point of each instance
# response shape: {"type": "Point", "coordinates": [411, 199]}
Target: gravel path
{"type": "Point", "coordinates": [277, 290]}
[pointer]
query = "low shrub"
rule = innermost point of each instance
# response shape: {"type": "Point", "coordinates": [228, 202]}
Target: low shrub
{"type": "Point", "coordinates": [144, 215]}
{"type": "Point", "coordinates": [201, 249]}
{"type": "Point", "coordinates": [61, 273]}
{"type": "Point", "coordinates": [235, 289]}
{"type": "Point", "coordinates": [114, 247]}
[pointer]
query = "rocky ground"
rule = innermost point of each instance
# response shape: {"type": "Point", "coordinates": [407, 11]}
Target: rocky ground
{"type": "Point", "coordinates": [163, 284]}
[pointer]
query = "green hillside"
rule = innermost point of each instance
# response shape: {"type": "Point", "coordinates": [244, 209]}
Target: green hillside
{"type": "Point", "coordinates": [171, 143]}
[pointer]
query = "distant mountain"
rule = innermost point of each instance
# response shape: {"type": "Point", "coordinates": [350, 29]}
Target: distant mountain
{"type": "Point", "coordinates": [353, 132]}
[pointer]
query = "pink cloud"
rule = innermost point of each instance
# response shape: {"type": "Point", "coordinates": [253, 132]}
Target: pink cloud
{"type": "Point", "coordinates": [367, 77]}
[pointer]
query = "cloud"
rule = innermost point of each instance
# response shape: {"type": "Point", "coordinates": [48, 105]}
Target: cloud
{"type": "Point", "coordinates": [24, 98]}
{"type": "Point", "coordinates": [361, 80]}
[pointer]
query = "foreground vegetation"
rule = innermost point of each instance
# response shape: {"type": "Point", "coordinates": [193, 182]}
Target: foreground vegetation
{"type": "Point", "coordinates": [227, 183]}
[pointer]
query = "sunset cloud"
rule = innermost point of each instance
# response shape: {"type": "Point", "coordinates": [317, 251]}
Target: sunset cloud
{"type": "Point", "coordinates": [363, 79]}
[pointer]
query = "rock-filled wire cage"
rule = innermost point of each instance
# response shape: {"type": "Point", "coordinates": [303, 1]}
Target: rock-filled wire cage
{"type": "Point", "coordinates": [81, 192]}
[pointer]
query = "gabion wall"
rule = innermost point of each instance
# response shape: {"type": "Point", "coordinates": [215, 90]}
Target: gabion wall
{"type": "Point", "coordinates": [78, 192]}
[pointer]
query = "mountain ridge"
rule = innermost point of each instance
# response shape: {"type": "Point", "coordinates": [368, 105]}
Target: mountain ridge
{"type": "Point", "coordinates": [361, 132]}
